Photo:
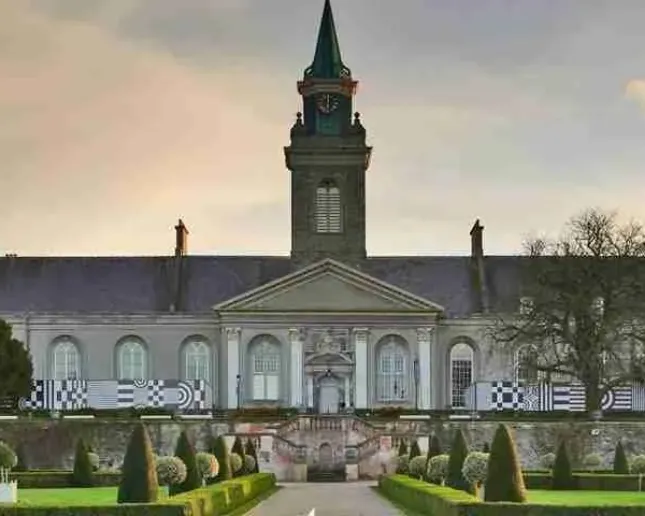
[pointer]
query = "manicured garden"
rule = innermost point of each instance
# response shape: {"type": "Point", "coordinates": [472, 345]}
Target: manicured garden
{"type": "Point", "coordinates": [190, 482]}
{"type": "Point", "coordinates": [491, 482]}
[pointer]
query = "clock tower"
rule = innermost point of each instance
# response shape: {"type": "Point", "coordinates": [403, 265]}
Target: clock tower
{"type": "Point", "coordinates": [328, 159]}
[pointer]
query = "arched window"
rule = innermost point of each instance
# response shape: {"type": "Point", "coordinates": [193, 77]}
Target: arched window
{"type": "Point", "coordinates": [461, 373]}
{"type": "Point", "coordinates": [132, 361]}
{"type": "Point", "coordinates": [265, 361]}
{"type": "Point", "coordinates": [328, 208]}
{"type": "Point", "coordinates": [197, 358]}
{"type": "Point", "coordinates": [526, 360]}
{"type": "Point", "coordinates": [66, 361]}
{"type": "Point", "coordinates": [392, 370]}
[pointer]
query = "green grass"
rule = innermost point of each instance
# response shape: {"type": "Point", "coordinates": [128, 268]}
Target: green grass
{"type": "Point", "coordinates": [582, 498]}
{"type": "Point", "coordinates": [75, 496]}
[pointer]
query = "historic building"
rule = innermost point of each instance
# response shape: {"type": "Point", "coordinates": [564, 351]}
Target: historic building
{"type": "Point", "coordinates": [327, 328]}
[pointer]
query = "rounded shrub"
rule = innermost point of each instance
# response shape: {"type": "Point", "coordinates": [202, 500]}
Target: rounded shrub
{"type": "Point", "coordinates": [417, 467]}
{"type": "Point", "coordinates": [562, 479]}
{"type": "Point", "coordinates": [170, 470]}
{"type": "Point", "coordinates": [475, 468]}
{"type": "Point", "coordinates": [186, 453]}
{"type": "Point", "coordinates": [638, 465]}
{"type": "Point", "coordinates": [621, 466]}
{"type": "Point", "coordinates": [403, 464]}
{"type": "Point", "coordinates": [95, 460]}
{"type": "Point", "coordinates": [249, 450]}
{"type": "Point", "coordinates": [220, 450]}
{"type": "Point", "coordinates": [82, 475]}
{"type": "Point", "coordinates": [415, 450]}
{"type": "Point", "coordinates": [139, 482]}
{"type": "Point", "coordinates": [504, 480]}
{"type": "Point", "coordinates": [437, 468]}
{"type": "Point", "coordinates": [236, 462]}
{"type": "Point", "coordinates": [592, 461]}
{"type": "Point", "coordinates": [207, 465]}
{"type": "Point", "coordinates": [547, 460]}
{"type": "Point", "coordinates": [458, 454]}
{"type": "Point", "coordinates": [8, 458]}
{"type": "Point", "coordinates": [238, 448]}
{"type": "Point", "coordinates": [249, 464]}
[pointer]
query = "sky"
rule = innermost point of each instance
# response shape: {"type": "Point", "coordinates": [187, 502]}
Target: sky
{"type": "Point", "coordinates": [120, 116]}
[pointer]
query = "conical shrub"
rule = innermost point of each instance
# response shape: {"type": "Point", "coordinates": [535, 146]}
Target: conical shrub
{"type": "Point", "coordinates": [403, 448]}
{"type": "Point", "coordinates": [139, 479]}
{"type": "Point", "coordinates": [621, 466]}
{"type": "Point", "coordinates": [486, 448]}
{"type": "Point", "coordinates": [221, 452]}
{"type": "Point", "coordinates": [504, 480]}
{"type": "Point", "coordinates": [186, 452]}
{"type": "Point", "coordinates": [249, 449]}
{"type": "Point", "coordinates": [415, 451]}
{"type": "Point", "coordinates": [238, 448]}
{"type": "Point", "coordinates": [21, 456]}
{"type": "Point", "coordinates": [82, 475]}
{"type": "Point", "coordinates": [458, 454]}
{"type": "Point", "coordinates": [562, 475]}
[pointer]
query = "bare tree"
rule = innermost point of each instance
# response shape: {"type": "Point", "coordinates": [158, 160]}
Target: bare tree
{"type": "Point", "coordinates": [585, 309]}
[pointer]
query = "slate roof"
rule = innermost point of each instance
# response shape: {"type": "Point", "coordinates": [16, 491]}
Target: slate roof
{"type": "Point", "coordinates": [147, 284]}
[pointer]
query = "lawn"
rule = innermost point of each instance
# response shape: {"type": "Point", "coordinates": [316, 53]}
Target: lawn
{"type": "Point", "coordinates": [582, 498]}
{"type": "Point", "coordinates": [72, 496]}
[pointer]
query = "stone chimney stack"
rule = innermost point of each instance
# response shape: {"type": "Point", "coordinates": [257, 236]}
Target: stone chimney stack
{"type": "Point", "coordinates": [181, 232]}
{"type": "Point", "coordinates": [477, 240]}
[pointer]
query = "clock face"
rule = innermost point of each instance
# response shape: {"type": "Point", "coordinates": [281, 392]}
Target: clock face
{"type": "Point", "coordinates": [327, 103]}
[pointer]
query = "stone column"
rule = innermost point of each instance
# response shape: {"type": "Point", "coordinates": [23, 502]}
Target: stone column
{"type": "Point", "coordinates": [347, 400]}
{"type": "Point", "coordinates": [310, 391]}
{"type": "Point", "coordinates": [424, 344]}
{"type": "Point", "coordinates": [233, 365]}
{"type": "Point", "coordinates": [295, 343]}
{"type": "Point", "coordinates": [362, 367]}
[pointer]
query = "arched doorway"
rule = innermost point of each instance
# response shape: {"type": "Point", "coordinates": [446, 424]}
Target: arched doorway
{"type": "Point", "coordinates": [328, 395]}
{"type": "Point", "coordinates": [325, 457]}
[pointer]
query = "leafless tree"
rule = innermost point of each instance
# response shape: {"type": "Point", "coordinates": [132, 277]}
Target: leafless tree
{"type": "Point", "coordinates": [583, 314]}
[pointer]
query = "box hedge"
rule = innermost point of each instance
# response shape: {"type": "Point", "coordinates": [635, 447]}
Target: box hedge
{"type": "Point", "coordinates": [53, 479]}
{"type": "Point", "coordinates": [588, 481]}
{"type": "Point", "coordinates": [424, 498]}
{"type": "Point", "coordinates": [215, 500]}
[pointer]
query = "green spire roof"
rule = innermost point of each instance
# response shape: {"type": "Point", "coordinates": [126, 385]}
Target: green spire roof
{"type": "Point", "coordinates": [327, 62]}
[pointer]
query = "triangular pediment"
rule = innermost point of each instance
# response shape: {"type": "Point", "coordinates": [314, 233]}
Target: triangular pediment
{"type": "Point", "coordinates": [328, 286]}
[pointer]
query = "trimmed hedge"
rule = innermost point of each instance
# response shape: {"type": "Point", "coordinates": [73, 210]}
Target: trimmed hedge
{"type": "Point", "coordinates": [424, 498]}
{"type": "Point", "coordinates": [53, 479]}
{"type": "Point", "coordinates": [588, 481]}
{"type": "Point", "coordinates": [216, 500]}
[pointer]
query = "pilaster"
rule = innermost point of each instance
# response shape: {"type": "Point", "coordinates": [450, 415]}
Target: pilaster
{"type": "Point", "coordinates": [424, 345]}
{"type": "Point", "coordinates": [233, 366]}
{"type": "Point", "coordinates": [296, 347]}
{"type": "Point", "coordinates": [362, 363]}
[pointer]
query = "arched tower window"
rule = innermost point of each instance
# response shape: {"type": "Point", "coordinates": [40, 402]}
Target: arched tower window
{"type": "Point", "coordinates": [265, 360]}
{"type": "Point", "coordinates": [461, 373]}
{"type": "Point", "coordinates": [197, 358]}
{"type": "Point", "coordinates": [392, 363]}
{"type": "Point", "coordinates": [66, 361]}
{"type": "Point", "coordinates": [328, 208]}
{"type": "Point", "coordinates": [132, 360]}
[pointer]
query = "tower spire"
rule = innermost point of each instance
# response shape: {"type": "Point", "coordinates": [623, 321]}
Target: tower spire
{"type": "Point", "coordinates": [327, 63]}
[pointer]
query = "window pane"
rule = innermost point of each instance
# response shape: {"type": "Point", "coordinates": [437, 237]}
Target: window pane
{"type": "Point", "coordinates": [461, 380]}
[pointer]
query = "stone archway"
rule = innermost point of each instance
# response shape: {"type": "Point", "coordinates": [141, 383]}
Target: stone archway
{"type": "Point", "coordinates": [325, 457]}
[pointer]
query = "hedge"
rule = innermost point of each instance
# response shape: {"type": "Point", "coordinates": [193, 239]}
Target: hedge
{"type": "Point", "coordinates": [424, 498]}
{"type": "Point", "coordinates": [53, 479]}
{"type": "Point", "coordinates": [215, 500]}
{"type": "Point", "coordinates": [588, 481]}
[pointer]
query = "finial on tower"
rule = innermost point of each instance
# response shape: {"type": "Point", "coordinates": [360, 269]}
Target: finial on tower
{"type": "Point", "coordinates": [327, 63]}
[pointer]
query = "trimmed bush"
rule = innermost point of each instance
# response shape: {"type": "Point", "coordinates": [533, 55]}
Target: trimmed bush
{"type": "Point", "coordinates": [8, 458]}
{"type": "Point", "coordinates": [61, 479]}
{"type": "Point", "coordinates": [475, 468]}
{"type": "Point", "coordinates": [186, 452]}
{"type": "Point", "coordinates": [83, 470]}
{"type": "Point", "coordinates": [638, 465]}
{"type": "Point", "coordinates": [403, 448]}
{"type": "Point", "coordinates": [438, 468]}
{"type": "Point", "coordinates": [238, 448]}
{"type": "Point", "coordinates": [621, 466]}
{"type": "Point", "coordinates": [458, 454]}
{"type": "Point", "coordinates": [434, 448]}
{"type": "Point", "coordinates": [220, 450]}
{"type": "Point", "coordinates": [504, 480]}
{"type": "Point", "coordinates": [21, 459]}
{"type": "Point", "coordinates": [236, 463]}
{"type": "Point", "coordinates": [139, 479]}
{"type": "Point", "coordinates": [417, 467]}
{"type": "Point", "coordinates": [562, 473]}
{"type": "Point", "coordinates": [592, 461]}
{"type": "Point", "coordinates": [415, 451]}
{"type": "Point", "coordinates": [95, 460]}
{"type": "Point", "coordinates": [170, 471]}
{"type": "Point", "coordinates": [207, 465]}
{"type": "Point", "coordinates": [547, 460]}
{"type": "Point", "coordinates": [486, 448]}
{"type": "Point", "coordinates": [249, 464]}
{"type": "Point", "coordinates": [250, 451]}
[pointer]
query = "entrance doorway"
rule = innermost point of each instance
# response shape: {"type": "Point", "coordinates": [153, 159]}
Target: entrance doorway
{"type": "Point", "coordinates": [328, 395]}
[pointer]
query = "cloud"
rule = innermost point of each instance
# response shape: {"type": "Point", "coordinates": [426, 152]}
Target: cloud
{"type": "Point", "coordinates": [635, 91]}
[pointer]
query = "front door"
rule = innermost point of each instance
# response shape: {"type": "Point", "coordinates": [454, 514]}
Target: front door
{"type": "Point", "coordinates": [328, 396]}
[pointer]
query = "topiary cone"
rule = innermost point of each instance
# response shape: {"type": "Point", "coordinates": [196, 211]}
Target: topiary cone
{"type": "Point", "coordinates": [621, 466]}
{"type": "Point", "coordinates": [82, 475]}
{"type": "Point", "coordinates": [139, 479]}
{"type": "Point", "coordinates": [504, 480]}
{"type": "Point", "coordinates": [562, 475]}
{"type": "Point", "coordinates": [186, 453]}
{"type": "Point", "coordinates": [238, 448]}
{"type": "Point", "coordinates": [221, 452]}
{"type": "Point", "coordinates": [458, 453]}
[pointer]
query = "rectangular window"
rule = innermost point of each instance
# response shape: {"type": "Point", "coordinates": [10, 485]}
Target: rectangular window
{"type": "Point", "coordinates": [461, 381]}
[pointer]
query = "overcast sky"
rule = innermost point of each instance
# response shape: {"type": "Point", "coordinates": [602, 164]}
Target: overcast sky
{"type": "Point", "coordinates": [119, 116]}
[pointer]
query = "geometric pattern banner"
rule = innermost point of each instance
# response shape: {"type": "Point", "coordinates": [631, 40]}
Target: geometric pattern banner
{"type": "Point", "coordinates": [61, 395]}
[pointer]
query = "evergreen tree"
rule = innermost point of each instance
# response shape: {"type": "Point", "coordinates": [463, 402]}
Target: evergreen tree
{"type": "Point", "coordinates": [415, 451]}
{"type": "Point", "coordinates": [403, 448]}
{"type": "Point", "coordinates": [139, 479]}
{"type": "Point", "coordinates": [186, 452]}
{"type": "Point", "coordinates": [621, 466]}
{"type": "Point", "coordinates": [16, 369]}
{"type": "Point", "coordinates": [82, 475]}
{"type": "Point", "coordinates": [221, 452]}
{"type": "Point", "coordinates": [21, 455]}
{"type": "Point", "coordinates": [458, 453]}
{"type": "Point", "coordinates": [434, 448]}
{"type": "Point", "coordinates": [562, 475]}
{"type": "Point", "coordinates": [238, 448]}
{"type": "Point", "coordinates": [504, 480]}
{"type": "Point", "coordinates": [249, 449]}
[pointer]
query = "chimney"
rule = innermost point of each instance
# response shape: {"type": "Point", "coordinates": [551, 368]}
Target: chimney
{"type": "Point", "coordinates": [477, 240]}
{"type": "Point", "coordinates": [181, 233]}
